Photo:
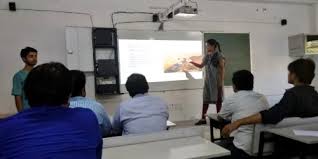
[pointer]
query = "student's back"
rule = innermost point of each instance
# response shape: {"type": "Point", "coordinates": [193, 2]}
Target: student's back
{"type": "Point", "coordinates": [307, 101]}
{"type": "Point", "coordinates": [51, 132]}
{"type": "Point", "coordinates": [143, 114]}
{"type": "Point", "coordinates": [49, 129]}
{"type": "Point", "coordinates": [240, 105]}
{"type": "Point", "coordinates": [79, 100]}
{"type": "Point", "coordinates": [244, 102]}
{"type": "Point", "coordinates": [299, 101]}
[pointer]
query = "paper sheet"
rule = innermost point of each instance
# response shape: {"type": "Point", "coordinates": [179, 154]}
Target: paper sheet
{"type": "Point", "coordinates": [170, 124]}
{"type": "Point", "coordinates": [306, 133]}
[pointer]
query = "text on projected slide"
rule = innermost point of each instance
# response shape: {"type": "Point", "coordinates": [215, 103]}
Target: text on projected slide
{"type": "Point", "coordinates": [160, 60]}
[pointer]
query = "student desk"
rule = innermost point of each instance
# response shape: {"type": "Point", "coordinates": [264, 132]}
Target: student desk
{"type": "Point", "coordinates": [176, 143]}
{"type": "Point", "coordinates": [188, 147]}
{"type": "Point", "coordinates": [169, 123]}
{"type": "Point", "coordinates": [288, 133]}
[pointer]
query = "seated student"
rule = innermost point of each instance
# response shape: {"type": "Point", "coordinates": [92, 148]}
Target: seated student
{"type": "Point", "coordinates": [299, 101]}
{"type": "Point", "coordinates": [141, 114]}
{"type": "Point", "coordinates": [78, 100]}
{"type": "Point", "coordinates": [243, 103]}
{"type": "Point", "coordinates": [49, 129]}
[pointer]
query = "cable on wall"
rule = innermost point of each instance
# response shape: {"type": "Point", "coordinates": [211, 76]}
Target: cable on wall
{"type": "Point", "coordinates": [131, 22]}
{"type": "Point", "coordinates": [57, 11]}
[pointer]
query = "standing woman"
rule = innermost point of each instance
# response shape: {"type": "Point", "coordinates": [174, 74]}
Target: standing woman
{"type": "Point", "coordinates": [214, 63]}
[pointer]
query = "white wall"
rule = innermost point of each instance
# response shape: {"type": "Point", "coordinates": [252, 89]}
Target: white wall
{"type": "Point", "coordinates": [45, 31]}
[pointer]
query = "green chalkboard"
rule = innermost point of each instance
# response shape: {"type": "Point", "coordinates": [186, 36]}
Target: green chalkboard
{"type": "Point", "coordinates": [236, 49]}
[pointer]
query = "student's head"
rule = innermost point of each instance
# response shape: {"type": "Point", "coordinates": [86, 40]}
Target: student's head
{"type": "Point", "coordinates": [48, 85]}
{"type": "Point", "coordinates": [243, 80]}
{"type": "Point", "coordinates": [213, 46]}
{"type": "Point", "coordinates": [301, 71]}
{"type": "Point", "coordinates": [29, 56]}
{"type": "Point", "coordinates": [137, 84]}
{"type": "Point", "coordinates": [78, 83]}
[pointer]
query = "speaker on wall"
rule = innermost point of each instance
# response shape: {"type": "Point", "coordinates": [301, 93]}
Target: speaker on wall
{"type": "Point", "coordinates": [283, 22]}
{"type": "Point", "coordinates": [12, 6]}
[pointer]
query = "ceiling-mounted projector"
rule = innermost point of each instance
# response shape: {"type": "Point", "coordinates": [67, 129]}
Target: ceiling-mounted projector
{"type": "Point", "coordinates": [186, 11]}
{"type": "Point", "coordinates": [184, 8]}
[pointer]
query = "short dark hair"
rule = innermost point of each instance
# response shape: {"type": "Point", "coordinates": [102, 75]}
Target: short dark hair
{"type": "Point", "coordinates": [137, 84]}
{"type": "Point", "coordinates": [78, 82]}
{"type": "Point", "coordinates": [48, 84]}
{"type": "Point", "coordinates": [243, 80]}
{"type": "Point", "coordinates": [304, 69]}
{"type": "Point", "coordinates": [25, 52]}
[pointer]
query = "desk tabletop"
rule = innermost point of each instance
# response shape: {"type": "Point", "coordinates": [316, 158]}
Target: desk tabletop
{"type": "Point", "coordinates": [190, 147]}
{"type": "Point", "coordinates": [288, 132]}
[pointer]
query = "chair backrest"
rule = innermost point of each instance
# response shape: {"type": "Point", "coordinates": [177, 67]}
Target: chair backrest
{"type": "Point", "coordinates": [287, 122]}
{"type": "Point", "coordinates": [152, 137]}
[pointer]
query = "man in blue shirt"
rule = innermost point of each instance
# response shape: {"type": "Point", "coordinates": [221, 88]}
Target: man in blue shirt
{"type": "Point", "coordinates": [29, 57]}
{"type": "Point", "coordinates": [143, 113]}
{"type": "Point", "coordinates": [49, 129]}
{"type": "Point", "coordinates": [78, 100]}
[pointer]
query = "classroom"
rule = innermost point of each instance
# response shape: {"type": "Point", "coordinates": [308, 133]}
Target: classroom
{"type": "Point", "coordinates": [168, 79]}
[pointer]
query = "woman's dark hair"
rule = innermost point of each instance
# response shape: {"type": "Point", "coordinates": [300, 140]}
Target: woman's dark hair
{"type": "Point", "coordinates": [304, 69]}
{"type": "Point", "coordinates": [137, 84]}
{"type": "Point", "coordinates": [243, 80]}
{"type": "Point", "coordinates": [48, 85]}
{"type": "Point", "coordinates": [25, 52]}
{"type": "Point", "coordinates": [214, 43]}
{"type": "Point", "coordinates": [78, 82]}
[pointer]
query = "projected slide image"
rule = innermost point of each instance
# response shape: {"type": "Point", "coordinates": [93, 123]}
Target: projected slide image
{"type": "Point", "coordinates": [160, 60]}
{"type": "Point", "coordinates": [312, 47]}
{"type": "Point", "coordinates": [174, 64]}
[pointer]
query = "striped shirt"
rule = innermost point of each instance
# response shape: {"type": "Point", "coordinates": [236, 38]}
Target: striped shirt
{"type": "Point", "coordinates": [97, 108]}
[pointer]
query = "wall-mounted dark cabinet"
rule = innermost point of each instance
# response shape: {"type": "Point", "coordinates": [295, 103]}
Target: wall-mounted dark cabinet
{"type": "Point", "coordinates": [105, 47]}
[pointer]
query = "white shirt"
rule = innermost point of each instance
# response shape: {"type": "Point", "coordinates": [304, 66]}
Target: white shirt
{"type": "Point", "coordinates": [240, 105]}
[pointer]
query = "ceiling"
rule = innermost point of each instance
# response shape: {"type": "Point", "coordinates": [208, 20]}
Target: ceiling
{"type": "Point", "coordinates": [164, 4]}
{"type": "Point", "coordinates": [274, 1]}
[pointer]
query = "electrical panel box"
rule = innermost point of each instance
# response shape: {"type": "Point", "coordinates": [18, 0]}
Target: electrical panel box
{"type": "Point", "coordinates": [105, 48]}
